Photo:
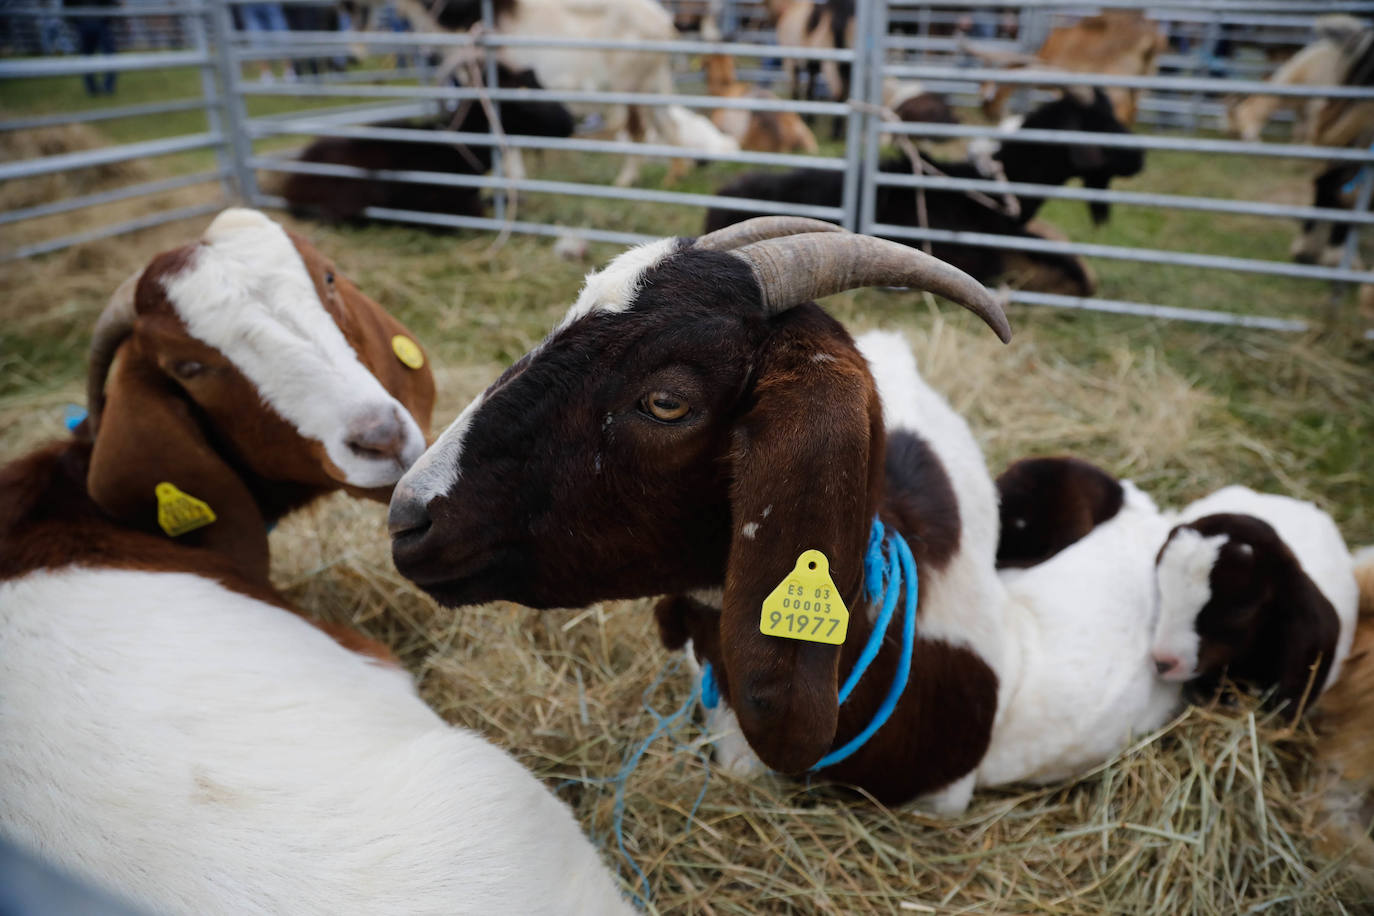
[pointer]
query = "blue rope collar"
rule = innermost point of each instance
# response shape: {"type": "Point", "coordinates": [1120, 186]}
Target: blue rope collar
{"type": "Point", "coordinates": [888, 565]}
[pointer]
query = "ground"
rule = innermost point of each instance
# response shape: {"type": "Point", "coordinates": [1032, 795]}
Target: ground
{"type": "Point", "coordinates": [1216, 815]}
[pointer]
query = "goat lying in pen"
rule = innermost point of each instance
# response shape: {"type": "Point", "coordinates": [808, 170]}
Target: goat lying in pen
{"type": "Point", "coordinates": [697, 422]}
{"type": "Point", "coordinates": [1020, 161]}
{"type": "Point", "coordinates": [336, 198]}
{"type": "Point", "coordinates": [172, 732]}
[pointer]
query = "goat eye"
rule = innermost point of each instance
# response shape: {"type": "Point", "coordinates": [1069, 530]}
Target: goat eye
{"type": "Point", "coordinates": [188, 368]}
{"type": "Point", "coordinates": [663, 406]}
{"type": "Point", "coordinates": [329, 277]}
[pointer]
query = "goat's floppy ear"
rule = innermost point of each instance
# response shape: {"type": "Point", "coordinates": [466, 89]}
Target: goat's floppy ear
{"type": "Point", "coordinates": [1307, 641]}
{"type": "Point", "coordinates": [149, 437]}
{"type": "Point", "coordinates": [806, 457]}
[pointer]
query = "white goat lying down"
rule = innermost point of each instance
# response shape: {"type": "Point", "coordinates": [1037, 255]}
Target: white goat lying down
{"type": "Point", "coordinates": [172, 731]}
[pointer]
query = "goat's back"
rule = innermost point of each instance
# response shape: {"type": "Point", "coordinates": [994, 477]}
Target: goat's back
{"type": "Point", "coordinates": [200, 751]}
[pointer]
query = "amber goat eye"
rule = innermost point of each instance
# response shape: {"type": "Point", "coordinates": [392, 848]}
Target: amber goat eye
{"type": "Point", "coordinates": [188, 368]}
{"type": "Point", "coordinates": [663, 406]}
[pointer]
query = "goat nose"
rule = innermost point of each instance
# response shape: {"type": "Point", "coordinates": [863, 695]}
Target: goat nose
{"type": "Point", "coordinates": [408, 515]}
{"type": "Point", "coordinates": [379, 434]}
{"type": "Point", "coordinates": [1165, 663]}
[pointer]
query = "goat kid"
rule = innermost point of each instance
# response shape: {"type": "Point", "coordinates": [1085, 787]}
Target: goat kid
{"type": "Point", "coordinates": [760, 131]}
{"type": "Point", "coordinates": [1260, 587]}
{"type": "Point", "coordinates": [345, 198]}
{"type": "Point", "coordinates": [696, 422]}
{"type": "Point", "coordinates": [172, 732]}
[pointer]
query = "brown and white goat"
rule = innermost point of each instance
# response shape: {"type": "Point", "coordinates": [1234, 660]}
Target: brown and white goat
{"type": "Point", "coordinates": [172, 732]}
{"type": "Point", "coordinates": [1342, 42]}
{"type": "Point", "coordinates": [760, 131]}
{"type": "Point", "coordinates": [695, 423]}
{"type": "Point", "coordinates": [1114, 42]}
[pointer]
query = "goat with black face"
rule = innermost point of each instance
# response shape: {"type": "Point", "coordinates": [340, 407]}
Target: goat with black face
{"type": "Point", "coordinates": [696, 422]}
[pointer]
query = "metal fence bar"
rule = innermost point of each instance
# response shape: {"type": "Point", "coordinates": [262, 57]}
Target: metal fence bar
{"type": "Point", "coordinates": [27, 168]}
{"type": "Point", "coordinates": [573, 97]}
{"type": "Point", "coordinates": [235, 110]}
{"type": "Point", "coordinates": [1120, 253]}
{"type": "Point", "coordinates": [101, 63]}
{"type": "Point", "coordinates": [1130, 198]}
{"type": "Point", "coordinates": [1172, 313]}
{"type": "Point", "coordinates": [541, 186]}
{"type": "Point", "coordinates": [170, 9]}
{"type": "Point", "coordinates": [1154, 7]}
{"type": "Point", "coordinates": [104, 114]}
{"type": "Point", "coordinates": [1105, 80]}
{"type": "Point", "coordinates": [108, 197]}
{"type": "Point", "coordinates": [448, 221]}
{"type": "Point", "coordinates": [856, 124]}
{"type": "Point", "coordinates": [1134, 141]}
{"type": "Point", "coordinates": [260, 129]}
{"type": "Point", "coordinates": [105, 232]}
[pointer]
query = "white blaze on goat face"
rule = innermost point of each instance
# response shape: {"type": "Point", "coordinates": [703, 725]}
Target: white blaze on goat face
{"type": "Point", "coordinates": [609, 290]}
{"type": "Point", "coordinates": [1183, 572]}
{"type": "Point", "coordinates": [247, 293]}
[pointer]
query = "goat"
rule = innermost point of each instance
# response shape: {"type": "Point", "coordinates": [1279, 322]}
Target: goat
{"type": "Point", "coordinates": [173, 732]}
{"type": "Point", "coordinates": [1047, 504]}
{"type": "Point", "coordinates": [1022, 162]}
{"type": "Point", "coordinates": [1323, 241]}
{"type": "Point", "coordinates": [824, 25]}
{"type": "Point", "coordinates": [1341, 54]}
{"type": "Point", "coordinates": [1114, 42]}
{"type": "Point", "coordinates": [910, 101]}
{"type": "Point", "coordinates": [1078, 672]}
{"type": "Point", "coordinates": [1260, 587]}
{"type": "Point", "coordinates": [583, 70]}
{"type": "Point", "coordinates": [761, 131]}
{"type": "Point", "coordinates": [345, 199]}
{"type": "Point", "coordinates": [695, 423]}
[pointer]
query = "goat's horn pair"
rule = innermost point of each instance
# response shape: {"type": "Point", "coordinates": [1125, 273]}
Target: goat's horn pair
{"type": "Point", "coordinates": [796, 260]}
{"type": "Point", "coordinates": [112, 327]}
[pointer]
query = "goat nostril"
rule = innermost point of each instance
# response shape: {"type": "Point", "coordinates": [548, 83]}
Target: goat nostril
{"type": "Point", "coordinates": [378, 437]}
{"type": "Point", "coordinates": [1162, 667]}
{"type": "Point", "coordinates": [1165, 664]}
{"type": "Point", "coordinates": [408, 516]}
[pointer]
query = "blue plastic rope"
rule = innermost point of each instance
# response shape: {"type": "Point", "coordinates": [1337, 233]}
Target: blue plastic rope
{"type": "Point", "coordinates": [878, 577]}
{"type": "Point", "coordinates": [1360, 178]}
{"type": "Point", "coordinates": [72, 415]}
{"type": "Point", "coordinates": [663, 725]}
{"type": "Point", "coordinates": [710, 690]}
{"type": "Point", "coordinates": [906, 569]}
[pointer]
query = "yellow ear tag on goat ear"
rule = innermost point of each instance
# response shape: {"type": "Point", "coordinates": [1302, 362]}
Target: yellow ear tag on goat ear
{"type": "Point", "coordinates": [179, 513]}
{"type": "Point", "coordinates": [407, 351]}
{"type": "Point", "coordinates": [806, 605]}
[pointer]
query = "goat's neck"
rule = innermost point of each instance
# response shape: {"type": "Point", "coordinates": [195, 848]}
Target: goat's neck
{"type": "Point", "coordinates": [49, 520]}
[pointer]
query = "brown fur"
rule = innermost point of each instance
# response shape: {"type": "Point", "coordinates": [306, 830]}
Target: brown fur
{"type": "Point", "coordinates": [759, 131]}
{"type": "Point", "coordinates": [93, 502]}
{"type": "Point", "coordinates": [1346, 742]}
{"type": "Point", "coordinates": [1116, 42]}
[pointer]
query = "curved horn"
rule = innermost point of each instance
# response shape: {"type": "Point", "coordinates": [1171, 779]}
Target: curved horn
{"type": "Point", "coordinates": [111, 328]}
{"type": "Point", "coordinates": [801, 268]}
{"type": "Point", "coordinates": [761, 228]}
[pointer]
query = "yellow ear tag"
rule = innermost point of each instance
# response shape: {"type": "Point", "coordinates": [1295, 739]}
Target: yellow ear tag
{"type": "Point", "coordinates": [806, 605]}
{"type": "Point", "coordinates": [407, 351]}
{"type": "Point", "coordinates": [178, 512]}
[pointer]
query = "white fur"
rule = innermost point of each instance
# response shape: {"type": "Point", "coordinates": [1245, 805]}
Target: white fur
{"type": "Point", "coordinates": [614, 287]}
{"type": "Point", "coordinates": [1079, 626]}
{"type": "Point", "coordinates": [436, 471]}
{"type": "Point", "coordinates": [961, 604]}
{"type": "Point", "coordinates": [246, 292]}
{"type": "Point", "coordinates": [1315, 540]}
{"type": "Point", "coordinates": [1183, 572]}
{"type": "Point", "coordinates": [197, 751]}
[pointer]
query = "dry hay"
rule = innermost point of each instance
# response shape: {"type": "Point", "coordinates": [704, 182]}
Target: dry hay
{"type": "Point", "coordinates": [1221, 813]}
{"type": "Point", "coordinates": [1217, 814]}
{"type": "Point", "coordinates": [17, 145]}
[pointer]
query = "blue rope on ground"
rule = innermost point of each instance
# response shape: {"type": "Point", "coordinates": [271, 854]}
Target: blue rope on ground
{"type": "Point", "coordinates": [663, 726]}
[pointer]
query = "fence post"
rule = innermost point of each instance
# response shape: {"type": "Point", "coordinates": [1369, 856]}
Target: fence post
{"type": "Point", "coordinates": [491, 76]}
{"type": "Point", "coordinates": [238, 144]}
{"type": "Point", "coordinates": [857, 118]}
{"type": "Point", "coordinates": [195, 24]}
{"type": "Point", "coordinates": [873, 94]}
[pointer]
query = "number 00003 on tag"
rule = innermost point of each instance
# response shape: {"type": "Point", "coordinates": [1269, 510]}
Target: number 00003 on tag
{"type": "Point", "coordinates": [806, 605]}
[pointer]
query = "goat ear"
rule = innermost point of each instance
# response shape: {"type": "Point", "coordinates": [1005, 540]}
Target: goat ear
{"type": "Point", "coordinates": [1307, 641]}
{"type": "Point", "coordinates": [149, 436]}
{"type": "Point", "coordinates": [807, 459]}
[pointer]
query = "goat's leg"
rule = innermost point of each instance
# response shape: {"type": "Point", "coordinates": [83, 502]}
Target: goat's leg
{"type": "Point", "coordinates": [953, 799]}
{"type": "Point", "coordinates": [634, 127]}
